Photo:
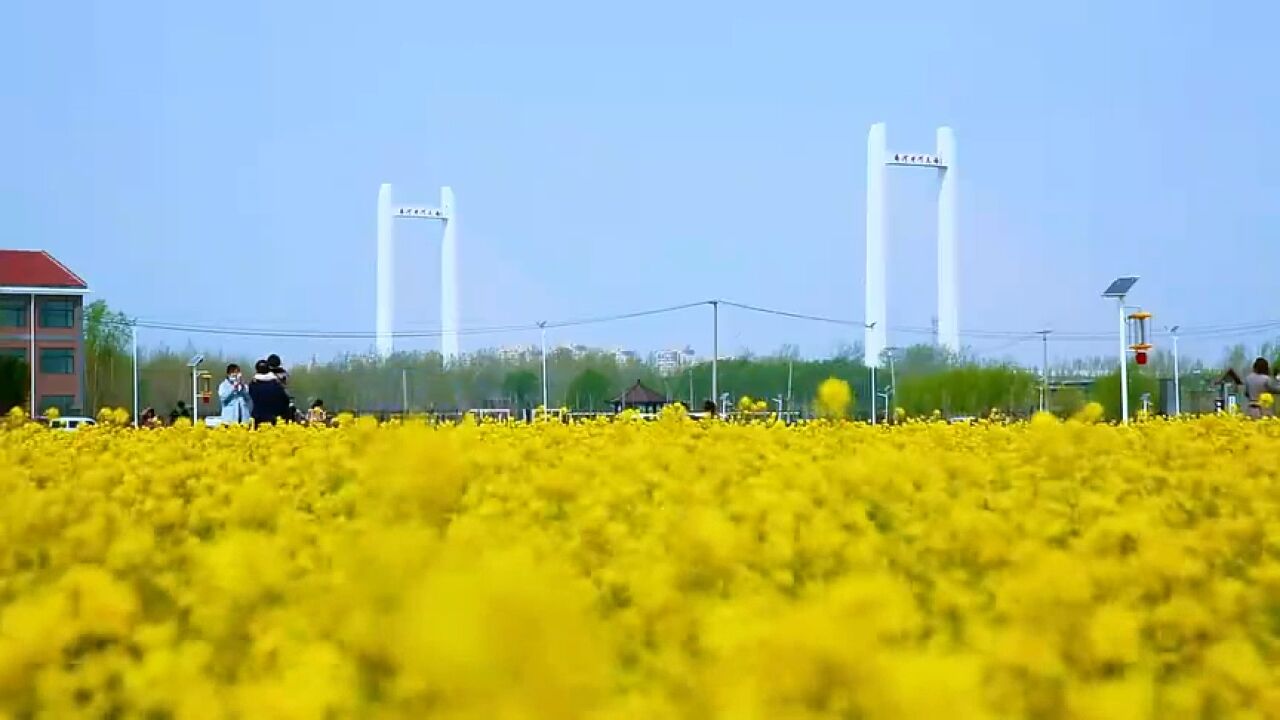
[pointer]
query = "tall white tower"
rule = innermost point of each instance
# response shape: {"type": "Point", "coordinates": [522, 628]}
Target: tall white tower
{"type": "Point", "coordinates": [878, 161]}
{"type": "Point", "coordinates": [388, 211]}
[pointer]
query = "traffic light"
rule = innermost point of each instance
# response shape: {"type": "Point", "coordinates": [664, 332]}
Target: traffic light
{"type": "Point", "coordinates": [1140, 357]}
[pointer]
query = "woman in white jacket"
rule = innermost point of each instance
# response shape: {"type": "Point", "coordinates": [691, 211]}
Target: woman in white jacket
{"type": "Point", "coordinates": [233, 393]}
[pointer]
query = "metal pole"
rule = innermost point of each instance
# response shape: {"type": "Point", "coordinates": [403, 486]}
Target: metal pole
{"type": "Point", "coordinates": [31, 359]}
{"type": "Point", "coordinates": [449, 278]}
{"type": "Point", "coordinates": [790, 363]}
{"type": "Point", "coordinates": [404, 391]}
{"type": "Point", "coordinates": [873, 394]}
{"type": "Point", "coordinates": [542, 326]}
{"type": "Point", "coordinates": [1044, 371]}
{"type": "Point", "coordinates": [136, 399]}
{"type": "Point", "coordinates": [1124, 367]}
{"type": "Point", "coordinates": [893, 389]}
{"type": "Point", "coordinates": [715, 353]}
{"type": "Point", "coordinates": [1177, 380]}
{"type": "Point", "coordinates": [195, 406]}
{"type": "Point", "coordinates": [384, 317]}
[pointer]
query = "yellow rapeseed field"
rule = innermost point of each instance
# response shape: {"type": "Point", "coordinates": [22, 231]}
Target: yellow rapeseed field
{"type": "Point", "coordinates": [667, 569]}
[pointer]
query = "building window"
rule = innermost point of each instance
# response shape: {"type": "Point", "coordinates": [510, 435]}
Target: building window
{"type": "Point", "coordinates": [64, 403]}
{"type": "Point", "coordinates": [13, 312]}
{"type": "Point", "coordinates": [57, 313]}
{"type": "Point", "coordinates": [57, 361]}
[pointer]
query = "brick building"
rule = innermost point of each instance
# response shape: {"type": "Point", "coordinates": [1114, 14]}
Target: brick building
{"type": "Point", "coordinates": [42, 322]}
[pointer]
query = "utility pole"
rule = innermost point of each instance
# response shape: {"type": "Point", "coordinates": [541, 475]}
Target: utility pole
{"type": "Point", "coordinates": [715, 353]}
{"type": "Point", "coordinates": [542, 327]}
{"type": "Point", "coordinates": [135, 373]}
{"type": "Point", "coordinates": [404, 391]}
{"type": "Point", "coordinates": [1177, 379]}
{"type": "Point", "coordinates": [1044, 369]}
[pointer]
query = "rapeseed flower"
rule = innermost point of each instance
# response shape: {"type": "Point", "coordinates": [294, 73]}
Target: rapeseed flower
{"type": "Point", "coordinates": [672, 568]}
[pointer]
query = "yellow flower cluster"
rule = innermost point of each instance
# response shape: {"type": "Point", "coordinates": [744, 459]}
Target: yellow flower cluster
{"type": "Point", "coordinates": [666, 569]}
{"type": "Point", "coordinates": [834, 398]}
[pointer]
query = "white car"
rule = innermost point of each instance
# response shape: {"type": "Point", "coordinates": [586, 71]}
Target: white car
{"type": "Point", "coordinates": [71, 423]}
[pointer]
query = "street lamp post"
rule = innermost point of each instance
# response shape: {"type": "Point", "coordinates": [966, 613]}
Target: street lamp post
{"type": "Point", "coordinates": [893, 383]}
{"type": "Point", "coordinates": [871, 326]}
{"type": "Point", "coordinates": [1118, 289]}
{"type": "Point", "coordinates": [885, 396]}
{"type": "Point", "coordinates": [789, 370]}
{"type": "Point", "coordinates": [404, 392]}
{"type": "Point", "coordinates": [194, 364]}
{"type": "Point", "coordinates": [1177, 379]}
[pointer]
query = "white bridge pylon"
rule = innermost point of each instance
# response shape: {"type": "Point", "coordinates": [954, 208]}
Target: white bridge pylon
{"type": "Point", "coordinates": [388, 212]}
{"type": "Point", "coordinates": [878, 161]}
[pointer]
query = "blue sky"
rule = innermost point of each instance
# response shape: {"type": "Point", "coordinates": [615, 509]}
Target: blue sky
{"type": "Point", "coordinates": [609, 158]}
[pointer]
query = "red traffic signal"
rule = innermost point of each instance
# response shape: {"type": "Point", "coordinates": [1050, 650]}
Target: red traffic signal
{"type": "Point", "coordinates": [1140, 357]}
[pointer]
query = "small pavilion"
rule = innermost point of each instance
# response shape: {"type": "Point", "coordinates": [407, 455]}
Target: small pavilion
{"type": "Point", "coordinates": [640, 397]}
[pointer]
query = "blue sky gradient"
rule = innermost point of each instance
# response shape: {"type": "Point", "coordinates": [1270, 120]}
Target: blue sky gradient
{"type": "Point", "coordinates": [608, 158]}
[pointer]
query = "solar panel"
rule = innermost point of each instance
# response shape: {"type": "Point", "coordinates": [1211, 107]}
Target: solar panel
{"type": "Point", "coordinates": [1120, 287]}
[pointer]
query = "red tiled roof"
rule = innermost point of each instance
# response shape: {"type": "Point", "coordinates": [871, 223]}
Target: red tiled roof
{"type": "Point", "coordinates": [36, 268]}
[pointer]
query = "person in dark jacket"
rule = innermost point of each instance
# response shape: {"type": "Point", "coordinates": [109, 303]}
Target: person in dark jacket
{"type": "Point", "coordinates": [277, 368]}
{"type": "Point", "coordinates": [179, 412]}
{"type": "Point", "coordinates": [270, 401]}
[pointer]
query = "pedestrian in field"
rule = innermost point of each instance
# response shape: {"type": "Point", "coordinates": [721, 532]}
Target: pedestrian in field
{"type": "Point", "coordinates": [149, 419]}
{"type": "Point", "coordinates": [277, 369]}
{"type": "Point", "coordinates": [233, 393]}
{"type": "Point", "coordinates": [268, 400]}
{"type": "Point", "coordinates": [317, 414]}
{"type": "Point", "coordinates": [180, 411]}
{"type": "Point", "coordinates": [1256, 384]}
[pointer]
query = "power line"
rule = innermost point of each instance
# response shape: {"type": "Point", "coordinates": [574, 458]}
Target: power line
{"type": "Point", "coordinates": [628, 316]}
{"type": "Point", "coordinates": [365, 334]}
{"type": "Point", "coordinates": [795, 315]}
{"type": "Point", "coordinates": [1013, 337]}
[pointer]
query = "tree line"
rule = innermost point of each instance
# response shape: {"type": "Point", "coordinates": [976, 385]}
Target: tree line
{"type": "Point", "coordinates": [925, 379]}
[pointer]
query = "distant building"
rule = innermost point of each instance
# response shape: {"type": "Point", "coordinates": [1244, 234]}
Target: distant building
{"type": "Point", "coordinates": [517, 353]}
{"type": "Point", "coordinates": [670, 362]}
{"type": "Point", "coordinates": [622, 357]}
{"type": "Point", "coordinates": [576, 351]}
{"type": "Point", "coordinates": [42, 323]}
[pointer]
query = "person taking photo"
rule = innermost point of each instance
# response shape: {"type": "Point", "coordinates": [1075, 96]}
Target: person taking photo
{"type": "Point", "coordinates": [233, 393]}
